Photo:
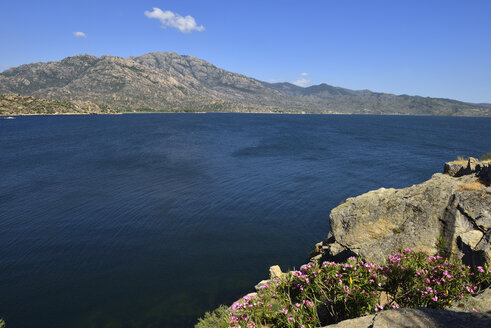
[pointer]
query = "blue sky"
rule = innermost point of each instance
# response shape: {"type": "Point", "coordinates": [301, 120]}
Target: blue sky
{"type": "Point", "coordinates": [427, 48]}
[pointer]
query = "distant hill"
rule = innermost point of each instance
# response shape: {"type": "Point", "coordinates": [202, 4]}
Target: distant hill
{"type": "Point", "coordinates": [171, 82]}
{"type": "Point", "coordinates": [11, 104]}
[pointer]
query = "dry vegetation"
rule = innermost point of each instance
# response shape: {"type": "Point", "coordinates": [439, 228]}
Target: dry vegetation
{"type": "Point", "coordinates": [461, 160]}
{"type": "Point", "coordinates": [472, 186]}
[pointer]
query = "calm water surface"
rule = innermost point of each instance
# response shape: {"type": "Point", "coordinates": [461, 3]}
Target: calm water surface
{"type": "Point", "coordinates": [150, 220]}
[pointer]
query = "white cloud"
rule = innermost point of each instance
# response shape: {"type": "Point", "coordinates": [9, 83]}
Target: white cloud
{"type": "Point", "coordinates": [80, 35]}
{"type": "Point", "coordinates": [274, 80]}
{"type": "Point", "coordinates": [304, 74]}
{"type": "Point", "coordinates": [301, 82]}
{"type": "Point", "coordinates": [167, 18]}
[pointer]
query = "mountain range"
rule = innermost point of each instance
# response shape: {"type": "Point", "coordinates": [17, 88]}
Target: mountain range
{"type": "Point", "coordinates": [169, 82]}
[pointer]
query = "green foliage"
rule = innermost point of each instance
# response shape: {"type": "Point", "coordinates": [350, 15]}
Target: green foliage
{"type": "Point", "coordinates": [2, 323]}
{"type": "Point", "coordinates": [216, 319]}
{"type": "Point", "coordinates": [317, 295]}
{"type": "Point", "coordinates": [441, 246]}
{"type": "Point", "coordinates": [397, 230]}
{"type": "Point", "coordinates": [486, 157]}
{"type": "Point", "coordinates": [416, 280]}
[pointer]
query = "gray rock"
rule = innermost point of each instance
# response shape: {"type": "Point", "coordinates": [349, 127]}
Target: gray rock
{"type": "Point", "coordinates": [465, 220]}
{"type": "Point", "coordinates": [483, 249]}
{"type": "Point", "coordinates": [481, 303]}
{"type": "Point", "coordinates": [458, 168]}
{"type": "Point", "coordinates": [484, 173]}
{"type": "Point", "coordinates": [261, 284]}
{"type": "Point", "coordinates": [475, 205]}
{"type": "Point", "coordinates": [275, 272]}
{"type": "Point", "coordinates": [453, 169]}
{"type": "Point", "coordinates": [418, 318]}
{"type": "Point", "coordinates": [484, 220]}
{"type": "Point", "coordinates": [471, 238]}
{"type": "Point", "coordinates": [382, 222]}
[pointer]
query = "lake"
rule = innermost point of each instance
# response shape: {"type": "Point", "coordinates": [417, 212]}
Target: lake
{"type": "Point", "coordinates": [149, 220]}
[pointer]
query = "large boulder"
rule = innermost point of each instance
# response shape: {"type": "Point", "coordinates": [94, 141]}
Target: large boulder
{"type": "Point", "coordinates": [417, 318]}
{"type": "Point", "coordinates": [466, 227]}
{"type": "Point", "coordinates": [461, 167]}
{"type": "Point", "coordinates": [446, 214]}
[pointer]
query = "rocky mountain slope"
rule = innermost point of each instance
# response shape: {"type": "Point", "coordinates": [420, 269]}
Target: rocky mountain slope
{"type": "Point", "coordinates": [171, 82]}
{"type": "Point", "coordinates": [27, 105]}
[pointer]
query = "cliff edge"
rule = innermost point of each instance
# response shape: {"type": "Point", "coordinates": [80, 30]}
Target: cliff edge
{"type": "Point", "coordinates": [450, 214]}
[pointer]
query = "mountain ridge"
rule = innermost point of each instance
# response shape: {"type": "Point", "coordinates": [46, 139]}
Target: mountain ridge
{"type": "Point", "coordinates": [164, 81]}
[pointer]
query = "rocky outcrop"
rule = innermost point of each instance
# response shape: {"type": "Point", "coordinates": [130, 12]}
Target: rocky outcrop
{"type": "Point", "coordinates": [466, 227]}
{"type": "Point", "coordinates": [460, 167]}
{"type": "Point", "coordinates": [417, 318]}
{"type": "Point", "coordinates": [472, 165]}
{"type": "Point", "coordinates": [450, 213]}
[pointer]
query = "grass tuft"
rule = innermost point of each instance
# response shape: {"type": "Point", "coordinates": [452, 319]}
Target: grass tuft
{"type": "Point", "coordinates": [486, 157]}
{"type": "Point", "coordinates": [472, 186]}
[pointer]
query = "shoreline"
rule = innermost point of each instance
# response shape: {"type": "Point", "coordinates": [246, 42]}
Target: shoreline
{"type": "Point", "coordinates": [264, 113]}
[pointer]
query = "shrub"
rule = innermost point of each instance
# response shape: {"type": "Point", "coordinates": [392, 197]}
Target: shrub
{"type": "Point", "coordinates": [216, 319]}
{"type": "Point", "coordinates": [486, 157]}
{"type": "Point", "coordinates": [441, 246]}
{"type": "Point", "coordinates": [397, 230]}
{"type": "Point", "coordinates": [318, 295]}
{"type": "Point", "coordinates": [416, 280]}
